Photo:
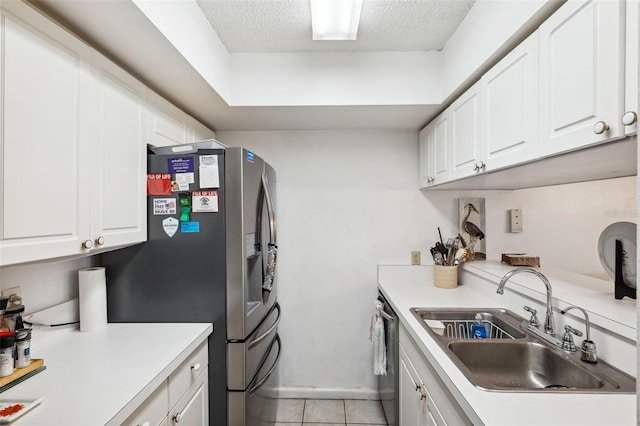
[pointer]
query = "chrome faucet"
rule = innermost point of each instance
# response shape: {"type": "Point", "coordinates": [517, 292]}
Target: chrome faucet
{"type": "Point", "coordinates": [589, 352]}
{"type": "Point", "coordinates": [549, 326]}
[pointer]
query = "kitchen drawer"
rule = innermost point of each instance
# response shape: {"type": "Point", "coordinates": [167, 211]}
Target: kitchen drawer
{"type": "Point", "coordinates": [192, 409]}
{"type": "Point", "coordinates": [153, 410]}
{"type": "Point", "coordinates": [187, 373]}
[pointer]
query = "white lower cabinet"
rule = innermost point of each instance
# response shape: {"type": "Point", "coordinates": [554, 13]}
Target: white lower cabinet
{"type": "Point", "coordinates": [182, 399]}
{"type": "Point", "coordinates": [193, 408]}
{"type": "Point", "coordinates": [424, 398]}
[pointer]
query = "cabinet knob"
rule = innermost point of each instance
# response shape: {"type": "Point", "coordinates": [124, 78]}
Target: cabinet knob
{"type": "Point", "coordinates": [100, 240]}
{"type": "Point", "coordinates": [87, 244]}
{"type": "Point", "coordinates": [600, 127]}
{"type": "Point", "coordinates": [629, 118]}
{"type": "Point", "coordinates": [177, 417]}
{"type": "Point", "coordinates": [196, 366]}
{"type": "Point", "coordinates": [479, 166]}
{"type": "Point", "coordinates": [432, 179]}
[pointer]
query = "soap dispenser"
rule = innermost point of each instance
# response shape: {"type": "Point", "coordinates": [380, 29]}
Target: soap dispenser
{"type": "Point", "coordinates": [478, 330]}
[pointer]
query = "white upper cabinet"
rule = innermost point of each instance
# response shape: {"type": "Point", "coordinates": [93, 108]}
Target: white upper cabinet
{"type": "Point", "coordinates": [45, 163]}
{"type": "Point", "coordinates": [434, 151]}
{"type": "Point", "coordinates": [581, 75]}
{"type": "Point", "coordinates": [509, 93]}
{"type": "Point", "coordinates": [426, 157]}
{"type": "Point", "coordinates": [74, 157]}
{"type": "Point", "coordinates": [167, 124]}
{"type": "Point", "coordinates": [119, 156]}
{"type": "Point", "coordinates": [630, 116]}
{"type": "Point", "coordinates": [199, 131]}
{"type": "Point", "coordinates": [467, 145]}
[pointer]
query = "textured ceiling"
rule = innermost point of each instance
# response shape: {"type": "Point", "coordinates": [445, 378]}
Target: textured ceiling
{"type": "Point", "coordinates": [268, 26]}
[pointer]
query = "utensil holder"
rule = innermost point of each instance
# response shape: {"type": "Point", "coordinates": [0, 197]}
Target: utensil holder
{"type": "Point", "coordinates": [445, 276]}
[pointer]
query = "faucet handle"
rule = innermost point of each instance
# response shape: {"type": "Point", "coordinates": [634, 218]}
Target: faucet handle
{"type": "Point", "coordinates": [533, 321]}
{"type": "Point", "coordinates": [567, 339]}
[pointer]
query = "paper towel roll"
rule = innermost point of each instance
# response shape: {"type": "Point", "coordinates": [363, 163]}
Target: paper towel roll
{"type": "Point", "coordinates": [92, 299]}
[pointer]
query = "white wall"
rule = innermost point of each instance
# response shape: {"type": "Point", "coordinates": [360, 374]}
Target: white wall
{"type": "Point", "coordinates": [562, 223]}
{"type": "Point", "coordinates": [44, 284]}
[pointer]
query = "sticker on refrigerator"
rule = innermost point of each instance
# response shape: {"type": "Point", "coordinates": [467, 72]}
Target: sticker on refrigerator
{"type": "Point", "coordinates": [209, 175]}
{"type": "Point", "coordinates": [170, 226]}
{"type": "Point", "coordinates": [158, 184]}
{"type": "Point", "coordinates": [181, 165]}
{"type": "Point", "coordinates": [250, 156]}
{"type": "Point", "coordinates": [189, 227]}
{"type": "Point", "coordinates": [164, 206]}
{"type": "Point", "coordinates": [204, 201]}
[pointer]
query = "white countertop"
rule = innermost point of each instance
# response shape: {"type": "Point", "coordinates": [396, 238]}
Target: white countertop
{"type": "Point", "coordinates": [412, 286]}
{"type": "Point", "coordinates": [101, 377]}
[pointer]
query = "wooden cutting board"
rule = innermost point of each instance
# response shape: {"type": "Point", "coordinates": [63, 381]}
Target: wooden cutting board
{"type": "Point", "coordinates": [21, 374]}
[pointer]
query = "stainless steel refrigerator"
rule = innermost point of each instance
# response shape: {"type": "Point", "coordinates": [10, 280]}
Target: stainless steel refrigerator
{"type": "Point", "coordinates": [210, 256]}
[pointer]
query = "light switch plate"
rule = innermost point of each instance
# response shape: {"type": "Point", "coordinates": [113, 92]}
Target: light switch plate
{"type": "Point", "coordinates": [415, 257]}
{"type": "Point", "coordinates": [515, 220]}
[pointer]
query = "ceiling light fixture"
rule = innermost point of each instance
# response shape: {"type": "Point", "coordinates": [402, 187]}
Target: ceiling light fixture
{"type": "Point", "coordinates": [335, 19]}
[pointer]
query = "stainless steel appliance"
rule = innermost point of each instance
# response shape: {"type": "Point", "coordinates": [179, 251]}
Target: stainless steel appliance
{"type": "Point", "coordinates": [210, 256]}
{"type": "Point", "coordinates": [388, 384]}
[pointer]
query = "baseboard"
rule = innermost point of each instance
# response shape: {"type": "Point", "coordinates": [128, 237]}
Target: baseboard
{"type": "Point", "coordinates": [310, 392]}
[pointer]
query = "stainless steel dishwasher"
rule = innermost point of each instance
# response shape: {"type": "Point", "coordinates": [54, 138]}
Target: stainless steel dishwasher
{"type": "Point", "coordinates": [388, 384]}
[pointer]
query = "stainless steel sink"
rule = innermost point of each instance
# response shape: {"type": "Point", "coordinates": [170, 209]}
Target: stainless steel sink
{"type": "Point", "coordinates": [456, 323]}
{"type": "Point", "coordinates": [513, 358]}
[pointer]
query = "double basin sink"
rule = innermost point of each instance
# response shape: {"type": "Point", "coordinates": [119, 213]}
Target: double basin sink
{"type": "Point", "coordinates": [512, 358]}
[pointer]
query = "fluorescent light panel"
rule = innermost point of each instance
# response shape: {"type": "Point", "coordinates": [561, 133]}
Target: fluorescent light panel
{"type": "Point", "coordinates": [335, 19]}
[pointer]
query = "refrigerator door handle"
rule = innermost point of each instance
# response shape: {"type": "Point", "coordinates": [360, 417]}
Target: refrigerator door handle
{"type": "Point", "coordinates": [270, 211]}
{"type": "Point", "coordinates": [260, 382]}
{"type": "Point", "coordinates": [258, 339]}
{"type": "Point", "coordinates": [272, 247]}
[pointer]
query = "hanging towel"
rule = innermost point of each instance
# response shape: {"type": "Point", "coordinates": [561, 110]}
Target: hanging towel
{"type": "Point", "coordinates": [376, 335]}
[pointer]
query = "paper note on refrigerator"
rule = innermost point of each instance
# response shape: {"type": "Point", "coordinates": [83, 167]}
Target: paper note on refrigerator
{"type": "Point", "coordinates": [209, 171]}
{"type": "Point", "coordinates": [204, 201]}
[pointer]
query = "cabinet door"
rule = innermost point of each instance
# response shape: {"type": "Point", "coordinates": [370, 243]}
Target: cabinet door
{"type": "Point", "coordinates": [510, 107]}
{"type": "Point", "coordinates": [200, 132]}
{"type": "Point", "coordinates": [581, 83]}
{"type": "Point", "coordinates": [153, 411]}
{"type": "Point", "coordinates": [467, 151]}
{"type": "Point", "coordinates": [119, 156]}
{"type": "Point", "coordinates": [440, 148]}
{"type": "Point", "coordinates": [409, 398]}
{"type": "Point", "coordinates": [630, 117]}
{"type": "Point", "coordinates": [45, 163]}
{"type": "Point", "coordinates": [193, 407]}
{"type": "Point", "coordinates": [426, 157]}
{"type": "Point", "coordinates": [167, 125]}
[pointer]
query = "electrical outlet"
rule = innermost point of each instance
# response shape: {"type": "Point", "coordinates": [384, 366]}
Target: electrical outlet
{"type": "Point", "coordinates": [515, 220]}
{"type": "Point", "coordinates": [17, 290]}
{"type": "Point", "coordinates": [415, 257]}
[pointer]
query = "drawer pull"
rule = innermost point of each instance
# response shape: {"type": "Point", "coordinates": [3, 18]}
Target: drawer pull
{"type": "Point", "coordinates": [196, 366]}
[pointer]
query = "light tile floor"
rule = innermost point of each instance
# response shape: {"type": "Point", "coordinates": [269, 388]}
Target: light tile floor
{"type": "Point", "coordinates": [329, 412]}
